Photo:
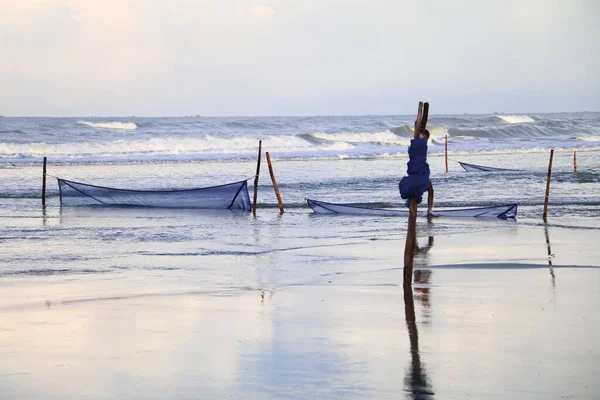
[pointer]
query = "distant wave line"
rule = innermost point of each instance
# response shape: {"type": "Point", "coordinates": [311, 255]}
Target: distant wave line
{"type": "Point", "coordinates": [589, 138]}
{"type": "Point", "coordinates": [128, 126]}
{"type": "Point", "coordinates": [515, 119]}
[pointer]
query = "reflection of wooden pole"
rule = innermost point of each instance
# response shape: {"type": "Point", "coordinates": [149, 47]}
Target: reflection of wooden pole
{"type": "Point", "coordinates": [275, 187]}
{"type": "Point", "coordinates": [550, 256]}
{"type": "Point", "coordinates": [446, 153]}
{"type": "Point", "coordinates": [416, 380]}
{"type": "Point", "coordinates": [44, 183]}
{"type": "Point", "coordinates": [548, 245]}
{"type": "Point", "coordinates": [575, 161]}
{"type": "Point", "coordinates": [411, 233]}
{"type": "Point", "coordinates": [548, 185]}
{"type": "Point", "coordinates": [256, 177]}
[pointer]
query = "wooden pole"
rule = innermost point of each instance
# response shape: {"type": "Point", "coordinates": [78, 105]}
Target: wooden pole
{"type": "Point", "coordinates": [256, 177]}
{"type": "Point", "coordinates": [275, 187]}
{"type": "Point", "coordinates": [411, 234]}
{"type": "Point", "coordinates": [548, 185]}
{"type": "Point", "coordinates": [446, 143]}
{"type": "Point", "coordinates": [44, 183]}
{"type": "Point", "coordinates": [575, 161]}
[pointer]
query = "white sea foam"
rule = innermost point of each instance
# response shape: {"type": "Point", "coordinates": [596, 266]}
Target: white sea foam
{"type": "Point", "coordinates": [589, 138]}
{"type": "Point", "coordinates": [209, 145]}
{"type": "Point", "coordinates": [515, 119]}
{"type": "Point", "coordinates": [385, 137]}
{"type": "Point", "coordinates": [437, 134]}
{"type": "Point", "coordinates": [128, 126]}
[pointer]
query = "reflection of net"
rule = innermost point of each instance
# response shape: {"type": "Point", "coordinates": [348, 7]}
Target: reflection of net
{"type": "Point", "coordinates": [233, 196]}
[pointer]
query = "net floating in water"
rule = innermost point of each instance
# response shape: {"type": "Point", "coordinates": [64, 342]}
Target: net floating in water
{"type": "Point", "coordinates": [503, 211]}
{"type": "Point", "coordinates": [232, 196]}
{"type": "Point", "coordinates": [482, 168]}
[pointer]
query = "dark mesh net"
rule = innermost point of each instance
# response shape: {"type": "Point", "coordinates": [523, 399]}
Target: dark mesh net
{"type": "Point", "coordinates": [233, 196]}
{"type": "Point", "coordinates": [501, 211]}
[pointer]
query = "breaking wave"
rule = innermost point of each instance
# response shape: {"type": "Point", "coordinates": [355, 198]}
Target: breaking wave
{"type": "Point", "coordinates": [589, 138]}
{"type": "Point", "coordinates": [515, 119]}
{"type": "Point", "coordinates": [128, 126]}
{"type": "Point", "coordinates": [385, 137]}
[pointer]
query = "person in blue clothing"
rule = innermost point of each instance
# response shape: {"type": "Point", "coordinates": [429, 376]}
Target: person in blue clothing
{"type": "Point", "coordinates": [425, 135]}
{"type": "Point", "coordinates": [417, 180]}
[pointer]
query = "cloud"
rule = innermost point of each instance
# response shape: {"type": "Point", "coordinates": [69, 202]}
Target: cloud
{"type": "Point", "coordinates": [257, 10]}
{"type": "Point", "coordinates": [289, 57]}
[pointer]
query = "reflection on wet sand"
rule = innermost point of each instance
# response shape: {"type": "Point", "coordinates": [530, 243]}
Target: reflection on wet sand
{"type": "Point", "coordinates": [416, 381]}
{"type": "Point", "coordinates": [423, 277]}
{"type": "Point", "coordinates": [550, 255]}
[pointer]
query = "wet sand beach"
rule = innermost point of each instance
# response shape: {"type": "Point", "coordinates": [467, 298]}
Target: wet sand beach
{"type": "Point", "coordinates": [508, 312]}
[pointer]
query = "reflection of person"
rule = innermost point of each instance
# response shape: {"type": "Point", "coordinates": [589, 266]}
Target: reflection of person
{"type": "Point", "coordinates": [416, 380]}
{"type": "Point", "coordinates": [423, 276]}
{"type": "Point", "coordinates": [425, 135]}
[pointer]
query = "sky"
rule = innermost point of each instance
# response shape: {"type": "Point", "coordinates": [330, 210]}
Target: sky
{"type": "Point", "coordinates": [297, 57]}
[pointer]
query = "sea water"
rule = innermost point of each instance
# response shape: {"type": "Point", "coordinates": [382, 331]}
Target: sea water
{"type": "Point", "coordinates": [354, 159]}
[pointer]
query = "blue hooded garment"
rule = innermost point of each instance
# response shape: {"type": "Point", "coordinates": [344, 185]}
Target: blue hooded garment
{"type": "Point", "coordinates": [417, 181]}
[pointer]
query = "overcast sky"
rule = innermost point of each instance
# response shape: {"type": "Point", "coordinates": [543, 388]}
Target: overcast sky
{"type": "Point", "coordinates": [297, 57]}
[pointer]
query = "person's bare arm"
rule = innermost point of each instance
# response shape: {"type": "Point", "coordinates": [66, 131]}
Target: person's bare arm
{"type": "Point", "coordinates": [429, 198]}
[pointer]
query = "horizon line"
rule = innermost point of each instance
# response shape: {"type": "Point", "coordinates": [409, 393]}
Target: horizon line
{"type": "Point", "coordinates": [298, 115]}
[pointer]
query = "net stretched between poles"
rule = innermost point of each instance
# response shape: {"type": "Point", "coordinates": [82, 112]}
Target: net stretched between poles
{"type": "Point", "coordinates": [232, 196]}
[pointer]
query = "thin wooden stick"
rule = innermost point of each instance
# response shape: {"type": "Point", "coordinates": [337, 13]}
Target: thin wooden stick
{"type": "Point", "coordinates": [411, 234]}
{"type": "Point", "coordinates": [275, 187]}
{"type": "Point", "coordinates": [575, 161]}
{"type": "Point", "coordinates": [44, 183]}
{"type": "Point", "coordinates": [446, 142]}
{"type": "Point", "coordinates": [548, 185]}
{"type": "Point", "coordinates": [256, 177]}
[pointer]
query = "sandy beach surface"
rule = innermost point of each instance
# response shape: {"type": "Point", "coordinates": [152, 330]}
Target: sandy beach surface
{"type": "Point", "coordinates": [496, 313]}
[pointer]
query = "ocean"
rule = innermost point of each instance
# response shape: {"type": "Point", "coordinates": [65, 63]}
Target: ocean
{"type": "Point", "coordinates": [347, 159]}
{"type": "Point", "coordinates": [117, 302]}
{"type": "Point", "coordinates": [353, 159]}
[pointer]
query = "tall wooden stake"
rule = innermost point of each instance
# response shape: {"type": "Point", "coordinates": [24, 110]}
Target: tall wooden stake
{"type": "Point", "coordinates": [44, 183]}
{"type": "Point", "coordinates": [446, 142]}
{"type": "Point", "coordinates": [411, 234]}
{"type": "Point", "coordinates": [275, 187]}
{"type": "Point", "coordinates": [575, 161]}
{"type": "Point", "coordinates": [256, 177]}
{"type": "Point", "coordinates": [548, 185]}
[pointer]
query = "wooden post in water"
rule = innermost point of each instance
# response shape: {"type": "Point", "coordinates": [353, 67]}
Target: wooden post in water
{"type": "Point", "coordinates": [44, 183]}
{"type": "Point", "coordinates": [256, 177]}
{"type": "Point", "coordinates": [575, 161]}
{"type": "Point", "coordinates": [548, 185]}
{"type": "Point", "coordinates": [446, 143]}
{"type": "Point", "coordinates": [411, 233]}
{"type": "Point", "coordinates": [275, 187]}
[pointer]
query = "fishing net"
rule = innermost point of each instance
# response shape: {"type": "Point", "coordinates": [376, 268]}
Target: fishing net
{"type": "Point", "coordinates": [233, 196]}
{"type": "Point", "coordinates": [501, 211]}
{"type": "Point", "coordinates": [481, 168]}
